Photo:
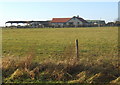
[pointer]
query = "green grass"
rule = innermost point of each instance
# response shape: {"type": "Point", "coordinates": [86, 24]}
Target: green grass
{"type": "Point", "coordinates": [54, 50]}
{"type": "Point", "coordinates": [54, 41]}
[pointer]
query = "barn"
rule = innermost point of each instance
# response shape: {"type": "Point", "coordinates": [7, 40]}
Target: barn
{"type": "Point", "coordinates": [69, 22]}
{"type": "Point", "coordinates": [29, 24]}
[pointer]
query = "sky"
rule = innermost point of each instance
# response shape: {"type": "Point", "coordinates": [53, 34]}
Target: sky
{"type": "Point", "coordinates": [36, 10]}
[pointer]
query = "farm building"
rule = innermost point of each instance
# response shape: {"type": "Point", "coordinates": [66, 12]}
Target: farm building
{"type": "Point", "coordinates": [75, 21]}
{"type": "Point", "coordinates": [28, 24]}
{"type": "Point", "coordinates": [110, 24]}
{"type": "Point", "coordinates": [38, 24]}
{"type": "Point", "coordinates": [96, 22]}
{"type": "Point", "coordinates": [69, 22]}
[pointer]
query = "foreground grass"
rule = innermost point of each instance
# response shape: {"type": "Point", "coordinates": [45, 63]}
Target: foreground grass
{"type": "Point", "coordinates": [67, 71]}
{"type": "Point", "coordinates": [49, 55]}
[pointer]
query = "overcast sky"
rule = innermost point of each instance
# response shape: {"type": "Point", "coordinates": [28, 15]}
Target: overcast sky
{"type": "Point", "coordinates": [107, 11]}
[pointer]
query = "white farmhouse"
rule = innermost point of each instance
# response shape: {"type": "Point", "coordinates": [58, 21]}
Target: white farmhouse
{"type": "Point", "coordinates": [69, 22]}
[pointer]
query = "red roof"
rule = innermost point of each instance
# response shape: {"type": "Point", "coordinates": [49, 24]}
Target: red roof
{"type": "Point", "coordinates": [56, 20]}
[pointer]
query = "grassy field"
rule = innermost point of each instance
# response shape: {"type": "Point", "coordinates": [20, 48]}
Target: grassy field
{"type": "Point", "coordinates": [55, 48]}
{"type": "Point", "coordinates": [48, 42]}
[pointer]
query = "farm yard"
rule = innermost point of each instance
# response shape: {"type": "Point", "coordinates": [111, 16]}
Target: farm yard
{"type": "Point", "coordinates": [48, 55]}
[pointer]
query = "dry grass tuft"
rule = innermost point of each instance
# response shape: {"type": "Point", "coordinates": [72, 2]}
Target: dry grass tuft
{"type": "Point", "coordinates": [69, 70]}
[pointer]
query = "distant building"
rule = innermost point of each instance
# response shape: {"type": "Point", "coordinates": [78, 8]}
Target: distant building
{"type": "Point", "coordinates": [74, 21]}
{"type": "Point", "coordinates": [117, 23]}
{"type": "Point", "coordinates": [110, 24]}
{"type": "Point", "coordinates": [69, 22]}
{"type": "Point", "coordinates": [39, 24]}
{"type": "Point", "coordinates": [29, 24]}
{"type": "Point", "coordinates": [96, 22]}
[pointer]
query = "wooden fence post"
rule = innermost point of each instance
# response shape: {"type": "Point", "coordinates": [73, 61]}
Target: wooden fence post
{"type": "Point", "coordinates": [77, 48]}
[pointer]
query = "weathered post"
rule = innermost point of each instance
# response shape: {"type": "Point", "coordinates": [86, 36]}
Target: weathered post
{"type": "Point", "coordinates": [77, 49]}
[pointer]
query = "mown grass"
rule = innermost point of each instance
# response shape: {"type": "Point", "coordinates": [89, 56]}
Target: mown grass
{"type": "Point", "coordinates": [50, 53]}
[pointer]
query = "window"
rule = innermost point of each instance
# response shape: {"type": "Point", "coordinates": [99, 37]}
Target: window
{"type": "Point", "coordinates": [70, 23]}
